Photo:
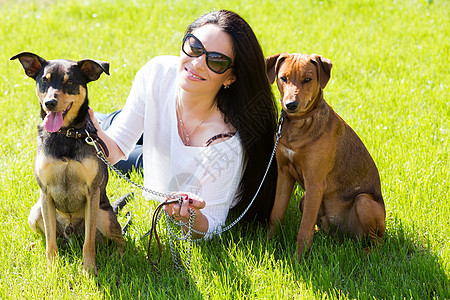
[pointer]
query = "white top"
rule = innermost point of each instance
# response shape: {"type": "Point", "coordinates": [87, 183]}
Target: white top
{"type": "Point", "coordinates": [212, 172]}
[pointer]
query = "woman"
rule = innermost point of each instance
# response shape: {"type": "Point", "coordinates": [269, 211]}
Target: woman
{"type": "Point", "coordinates": [208, 119]}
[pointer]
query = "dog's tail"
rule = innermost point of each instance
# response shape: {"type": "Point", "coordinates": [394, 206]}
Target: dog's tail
{"type": "Point", "coordinates": [121, 202]}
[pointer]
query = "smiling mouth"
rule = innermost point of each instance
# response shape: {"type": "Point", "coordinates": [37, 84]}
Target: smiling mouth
{"type": "Point", "coordinates": [193, 75]}
{"type": "Point", "coordinates": [64, 113]}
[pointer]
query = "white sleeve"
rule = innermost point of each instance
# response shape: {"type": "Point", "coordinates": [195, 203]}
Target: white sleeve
{"type": "Point", "coordinates": [129, 123]}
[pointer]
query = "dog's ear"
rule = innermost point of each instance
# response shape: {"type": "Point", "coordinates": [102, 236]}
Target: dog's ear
{"type": "Point", "coordinates": [31, 63]}
{"type": "Point", "coordinates": [273, 63]}
{"type": "Point", "coordinates": [92, 69]}
{"type": "Point", "coordinates": [324, 66]}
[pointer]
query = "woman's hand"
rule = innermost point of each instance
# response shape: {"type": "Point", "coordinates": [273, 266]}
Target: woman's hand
{"type": "Point", "coordinates": [181, 213]}
{"type": "Point", "coordinates": [94, 120]}
{"type": "Point", "coordinates": [115, 153]}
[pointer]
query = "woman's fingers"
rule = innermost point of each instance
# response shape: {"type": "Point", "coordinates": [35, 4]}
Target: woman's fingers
{"type": "Point", "coordinates": [172, 210]}
{"type": "Point", "coordinates": [184, 212]}
{"type": "Point", "coordinates": [176, 210]}
{"type": "Point", "coordinates": [197, 203]}
{"type": "Point", "coordinates": [94, 119]}
{"type": "Point", "coordinates": [188, 200]}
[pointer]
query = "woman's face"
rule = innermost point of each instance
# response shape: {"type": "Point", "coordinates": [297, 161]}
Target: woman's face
{"type": "Point", "coordinates": [193, 72]}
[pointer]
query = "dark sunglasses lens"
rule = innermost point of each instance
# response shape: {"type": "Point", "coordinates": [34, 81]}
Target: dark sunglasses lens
{"type": "Point", "coordinates": [192, 47]}
{"type": "Point", "coordinates": [217, 62]}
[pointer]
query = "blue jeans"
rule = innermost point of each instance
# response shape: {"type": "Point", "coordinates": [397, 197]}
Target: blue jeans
{"type": "Point", "coordinates": [134, 160]}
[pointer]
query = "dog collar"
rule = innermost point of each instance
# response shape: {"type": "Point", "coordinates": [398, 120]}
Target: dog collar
{"type": "Point", "coordinates": [72, 133]}
{"type": "Point", "coordinates": [75, 134]}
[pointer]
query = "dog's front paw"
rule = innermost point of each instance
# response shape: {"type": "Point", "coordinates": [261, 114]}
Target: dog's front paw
{"type": "Point", "coordinates": [119, 251]}
{"type": "Point", "coordinates": [271, 232]}
{"type": "Point", "coordinates": [303, 246]}
{"type": "Point", "coordinates": [52, 254]}
{"type": "Point", "coordinates": [274, 228]}
{"type": "Point", "coordinates": [89, 266]}
{"type": "Point", "coordinates": [90, 269]}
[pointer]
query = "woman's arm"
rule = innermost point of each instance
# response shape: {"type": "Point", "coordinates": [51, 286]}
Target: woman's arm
{"type": "Point", "coordinates": [115, 153]}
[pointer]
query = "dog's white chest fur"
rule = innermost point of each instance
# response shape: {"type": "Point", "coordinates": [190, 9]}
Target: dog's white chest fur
{"type": "Point", "coordinates": [289, 153]}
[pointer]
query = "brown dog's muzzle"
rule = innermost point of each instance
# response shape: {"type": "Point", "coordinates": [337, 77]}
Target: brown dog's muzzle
{"type": "Point", "coordinates": [291, 106]}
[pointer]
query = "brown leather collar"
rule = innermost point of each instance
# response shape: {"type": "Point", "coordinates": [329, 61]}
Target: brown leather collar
{"type": "Point", "coordinates": [81, 134]}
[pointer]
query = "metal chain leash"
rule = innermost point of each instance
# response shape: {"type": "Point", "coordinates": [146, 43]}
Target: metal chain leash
{"type": "Point", "coordinates": [187, 236]}
{"type": "Point", "coordinates": [101, 156]}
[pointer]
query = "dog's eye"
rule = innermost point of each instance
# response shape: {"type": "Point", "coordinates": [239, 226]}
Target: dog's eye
{"type": "Point", "coordinates": [307, 79]}
{"type": "Point", "coordinates": [283, 78]}
{"type": "Point", "coordinates": [44, 80]}
{"type": "Point", "coordinates": [69, 82]}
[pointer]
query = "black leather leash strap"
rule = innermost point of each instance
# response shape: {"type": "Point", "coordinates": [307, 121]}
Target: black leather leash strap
{"type": "Point", "coordinates": [155, 219]}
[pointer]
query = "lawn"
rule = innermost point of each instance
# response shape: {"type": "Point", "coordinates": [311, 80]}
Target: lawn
{"type": "Point", "coordinates": [390, 82]}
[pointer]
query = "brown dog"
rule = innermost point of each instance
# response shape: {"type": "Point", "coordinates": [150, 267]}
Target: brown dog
{"type": "Point", "coordinates": [72, 178]}
{"type": "Point", "coordinates": [324, 155]}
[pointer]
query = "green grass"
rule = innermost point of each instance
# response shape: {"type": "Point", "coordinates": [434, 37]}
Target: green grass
{"type": "Point", "coordinates": [390, 82]}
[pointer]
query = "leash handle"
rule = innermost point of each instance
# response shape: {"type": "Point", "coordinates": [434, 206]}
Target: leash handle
{"type": "Point", "coordinates": [154, 231]}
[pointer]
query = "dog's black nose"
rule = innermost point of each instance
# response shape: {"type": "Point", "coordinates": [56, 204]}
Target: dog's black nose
{"type": "Point", "coordinates": [291, 106]}
{"type": "Point", "coordinates": [51, 104]}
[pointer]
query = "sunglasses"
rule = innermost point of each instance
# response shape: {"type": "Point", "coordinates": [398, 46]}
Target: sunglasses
{"type": "Point", "coordinates": [216, 62]}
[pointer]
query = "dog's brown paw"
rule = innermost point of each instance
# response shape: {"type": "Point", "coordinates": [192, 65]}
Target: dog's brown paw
{"type": "Point", "coordinates": [367, 250]}
{"type": "Point", "coordinates": [52, 255]}
{"type": "Point", "coordinates": [89, 266]}
{"type": "Point", "coordinates": [303, 247]}
{"type": "Point", "coordinates": [119, 251]}
{"type": "Point", "coordinates": [89, 270]}
{"type": "Point", "coordinates": [270, 233]}
{"type": "Point", "coordinates": [274, 228]}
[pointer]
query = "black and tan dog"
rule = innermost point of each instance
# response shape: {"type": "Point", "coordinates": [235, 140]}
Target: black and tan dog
{"type": "Point", "coordinates": [71, 177]}
{"type": "Point", "coordinates": [324, 155]}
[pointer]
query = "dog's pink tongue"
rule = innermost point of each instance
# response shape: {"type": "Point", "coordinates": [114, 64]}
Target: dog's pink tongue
{"type": "Point", "coordinates": [53, 121]}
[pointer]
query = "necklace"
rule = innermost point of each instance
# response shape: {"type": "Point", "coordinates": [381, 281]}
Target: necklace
{"type": "Point", "coordinates": [184, 132]}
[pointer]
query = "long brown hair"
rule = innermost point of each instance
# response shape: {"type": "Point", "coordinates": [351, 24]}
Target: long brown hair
{"type": "Point", "coordinates": [249, 105]}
